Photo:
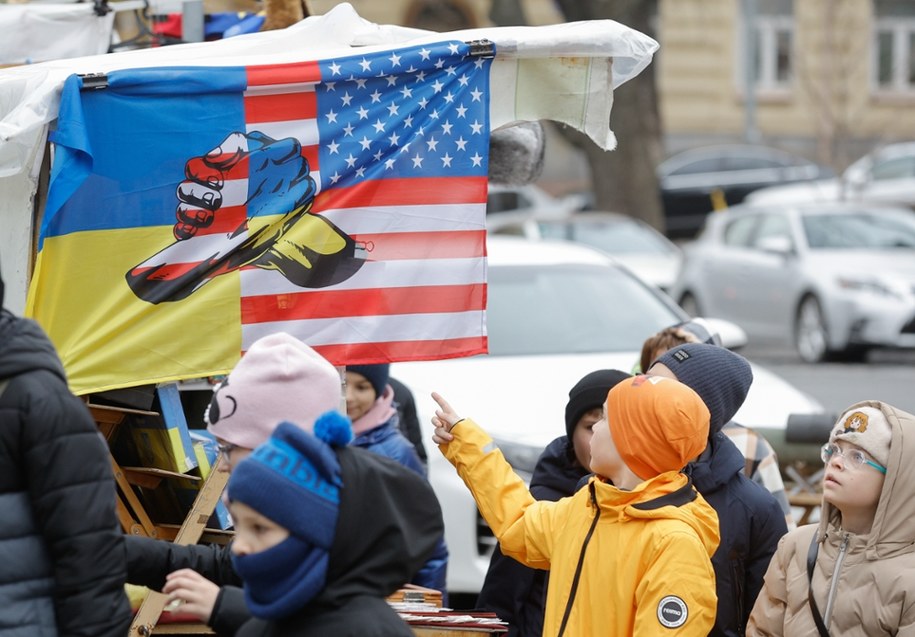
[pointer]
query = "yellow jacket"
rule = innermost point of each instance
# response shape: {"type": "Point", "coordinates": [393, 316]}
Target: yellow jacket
{"type": "Point", "coordinates": [645, 560]}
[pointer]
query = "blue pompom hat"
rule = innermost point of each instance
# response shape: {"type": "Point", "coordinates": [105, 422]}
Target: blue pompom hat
{"type": "Point", "coordinates": [294, 480]}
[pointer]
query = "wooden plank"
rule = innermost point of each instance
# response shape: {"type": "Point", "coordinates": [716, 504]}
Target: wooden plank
{"type": "Point", "coordinates": [132, 507]}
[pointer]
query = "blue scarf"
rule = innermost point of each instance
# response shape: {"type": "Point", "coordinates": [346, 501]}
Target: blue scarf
{"type": "Point", "coordinates": [283, 579]}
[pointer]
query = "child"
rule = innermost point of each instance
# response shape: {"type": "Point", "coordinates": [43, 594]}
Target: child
{"type": "Point", "coordinates": [279, 378]}
{"type": "Point", "coordinates": [629, 559]}
{"type": "Point", "coordinates": [513, 591]}
{"type": "Point", "coordinates": [324, 533]}
{"type": "Point", "coordinates": [854, 572]}
{"type": "Point", "coordinates": [370, 405]}
{"type": "Point", "coordinates": [760, 459]}
{"type": "Point", "coordinates": [750, 519]}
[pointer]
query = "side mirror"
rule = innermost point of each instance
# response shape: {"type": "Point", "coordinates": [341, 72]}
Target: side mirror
{"type": "Point", "coordinates": [776, 245]}
{"type": "Point", "coordinates": [732, 335]}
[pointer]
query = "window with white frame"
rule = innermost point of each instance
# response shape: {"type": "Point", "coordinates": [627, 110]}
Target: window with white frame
{"type": "Point", "coordinates": [893, 61]}
{"type": "Point", "coordinates": [772, 41]}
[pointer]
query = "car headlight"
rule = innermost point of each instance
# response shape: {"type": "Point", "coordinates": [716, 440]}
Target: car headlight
{"type": "Point", "coordinates": [523, 458]}
{"type": "Point", "coordinates": [873, 285]}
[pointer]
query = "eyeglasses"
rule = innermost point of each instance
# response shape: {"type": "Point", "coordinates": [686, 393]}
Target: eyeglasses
{"type": "Point", "coordinates": [854, 457]}
{"type": "Point", "coordinates": [226, 449]}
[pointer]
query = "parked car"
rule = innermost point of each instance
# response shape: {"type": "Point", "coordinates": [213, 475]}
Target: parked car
{"type": "Point", "coordinates": [518, 202]}
{"type": "Point", "coordinates": [886, 175]}
{"type": "Point", "coordinates": [556, 311]}
{"type": "Point", "coordinates": [689, 180]}
{"type": "Point", "coordinates": [649, 254]}
{"type": "Point", "coordinates": [836, 278]}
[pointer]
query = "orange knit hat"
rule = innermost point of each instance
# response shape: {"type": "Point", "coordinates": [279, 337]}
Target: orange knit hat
{"type": "Point", "coordinates": [657, 424]}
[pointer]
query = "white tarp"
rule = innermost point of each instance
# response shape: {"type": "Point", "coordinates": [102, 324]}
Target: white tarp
{"type": "Point", "coordinates": [565, 72]}
{"type": "Point", "coordinates": [41, 32]}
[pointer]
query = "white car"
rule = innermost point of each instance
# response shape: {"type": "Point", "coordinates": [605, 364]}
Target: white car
{"type": "Point", "coordinates": [649, 254]}
{"type": "Point", "coordinates": [886, 175]}
{"type": "Point", "coordinates": [506, 203]}
{"type": "Point", "coordinates": [556, 311]}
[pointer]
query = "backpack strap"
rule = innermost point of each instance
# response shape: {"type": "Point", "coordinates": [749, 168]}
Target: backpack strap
{"type": "Point", "coordinates": [811, 561]}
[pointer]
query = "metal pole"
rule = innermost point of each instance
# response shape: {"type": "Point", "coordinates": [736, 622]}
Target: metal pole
{"type": "Point", "coordinates": [192, 20]}
{"type": "Point", "coordinates": [750, 39]}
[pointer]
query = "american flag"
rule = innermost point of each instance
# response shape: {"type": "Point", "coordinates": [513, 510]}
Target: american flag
{"type": "Point", "coordinates": [398, 144]}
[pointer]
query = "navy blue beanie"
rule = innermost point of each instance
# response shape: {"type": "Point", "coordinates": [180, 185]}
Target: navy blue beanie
{"type": "Point", "coordinates": [375, 374]}
{"type": "Point", "coordinates": [294, 480]}
{"type": "Point", "coordinates": [720, 377]}
{"type": "Point", "coordinates": [590, 392]}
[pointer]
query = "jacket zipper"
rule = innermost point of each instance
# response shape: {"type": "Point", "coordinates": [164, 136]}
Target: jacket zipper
{"type": "Point", "coordinates": [581, 561]}
{"type": "Point", "coordinates": [737, 575]}
{"type": "Point", "coordinates": [834, 583]}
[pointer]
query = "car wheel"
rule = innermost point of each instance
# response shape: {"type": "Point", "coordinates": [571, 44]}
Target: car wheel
{"type": "Point", "coordinates": [690, 305]}
{"type": "Point", "coordinates": [810, 336]}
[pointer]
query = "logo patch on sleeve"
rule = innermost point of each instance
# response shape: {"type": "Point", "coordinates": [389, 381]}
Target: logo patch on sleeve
{"type": "Point", "coordinates": [672, 612]}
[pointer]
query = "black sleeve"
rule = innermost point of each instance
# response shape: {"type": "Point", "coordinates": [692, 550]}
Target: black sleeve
{"type": "Point", "coordinates": [408, 420]}
{"type": "Point", "coordinates": [768, 528]}
{"type": "Point", "coordinates": [150, 560]}
{"type": "Point", "coordinates": [230, 611]}
{"type": "Point", "coordinates": [72, 490]}
{"type": "Point", "coordinates": [515, 593]}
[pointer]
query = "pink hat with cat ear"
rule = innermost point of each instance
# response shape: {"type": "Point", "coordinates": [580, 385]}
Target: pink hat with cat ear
{"type": "Point", "coordinates": [278, 379]}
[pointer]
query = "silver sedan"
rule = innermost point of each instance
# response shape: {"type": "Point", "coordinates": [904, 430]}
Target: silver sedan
{"type": "Point", "coordinates": [836, 278]}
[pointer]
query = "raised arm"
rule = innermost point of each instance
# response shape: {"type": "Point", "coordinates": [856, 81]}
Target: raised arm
{"type": "Point", "coordinates": [523, 525]}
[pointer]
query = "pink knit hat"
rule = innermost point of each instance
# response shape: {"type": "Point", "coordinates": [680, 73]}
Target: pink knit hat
{"type": "Point", "coordinates": [278, 379]}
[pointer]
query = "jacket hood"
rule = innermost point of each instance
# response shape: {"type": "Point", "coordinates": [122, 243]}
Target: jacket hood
{"type": "Point", "coordinates": [892, 532]}
{"type": "Point", "coordinates": [389, 525]}
{"type": "Point", "coordinates": [717, 465]}
{"type": "Point", "coordinates": [670, 495]}
{"type": "Point", "coordinates": [557, 473]}
{"type": "Point", "coordinates": [25, 347]}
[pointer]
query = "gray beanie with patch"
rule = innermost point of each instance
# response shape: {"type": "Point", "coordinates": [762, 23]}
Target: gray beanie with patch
{"type": "Point", "coordinates": [720, 377]}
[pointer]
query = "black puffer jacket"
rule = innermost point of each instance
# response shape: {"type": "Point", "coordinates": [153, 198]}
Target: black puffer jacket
{"type": "Point", "coordinates": [751, 523]}
{"type": "Point", "coordinates": [64, 564]}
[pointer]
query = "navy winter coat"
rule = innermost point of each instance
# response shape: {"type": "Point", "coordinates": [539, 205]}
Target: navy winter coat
{"type": "Point", "coordinates": [751, 523]}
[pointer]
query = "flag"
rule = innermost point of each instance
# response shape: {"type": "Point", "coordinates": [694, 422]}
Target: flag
{"type": "Point", "coordinates": [193, 210]}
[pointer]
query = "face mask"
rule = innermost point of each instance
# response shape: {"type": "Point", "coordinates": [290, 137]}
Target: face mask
{"type": "Point", "coordinates": [282, 579]}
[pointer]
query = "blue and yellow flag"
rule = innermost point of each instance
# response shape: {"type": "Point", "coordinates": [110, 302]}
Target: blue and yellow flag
{"type": "Point", "coordinates": [193, 210]}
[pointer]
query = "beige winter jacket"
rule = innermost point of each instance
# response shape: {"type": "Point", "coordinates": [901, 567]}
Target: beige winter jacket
{"type": "Point", "coordinates": [863, 584]}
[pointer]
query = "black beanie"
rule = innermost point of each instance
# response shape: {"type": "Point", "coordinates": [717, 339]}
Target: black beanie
{"type": "Point", "coordinates": [720, 377]}
{"type": "Point", "coordinates": [375, 374]}
{"type": "Point", "coordinates": [590, 392]}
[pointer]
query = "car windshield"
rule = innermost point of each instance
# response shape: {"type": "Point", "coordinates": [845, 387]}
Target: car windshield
{"type": "Point", "coordinates": [861, 230]}
{"type": "Point", "coordinates": [570, 309]}
{"type": "Point", "coordinates": [609, 236]}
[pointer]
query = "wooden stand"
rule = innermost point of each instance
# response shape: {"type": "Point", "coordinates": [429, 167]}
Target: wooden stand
{"type": "Point", "coordinates": [135, 520]}
{"type": "Point", "coordinates": [144, 623]}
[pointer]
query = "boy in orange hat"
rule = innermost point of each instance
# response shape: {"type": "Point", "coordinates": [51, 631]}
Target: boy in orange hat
{"type": "Point", "coordinates": [629, 553]}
